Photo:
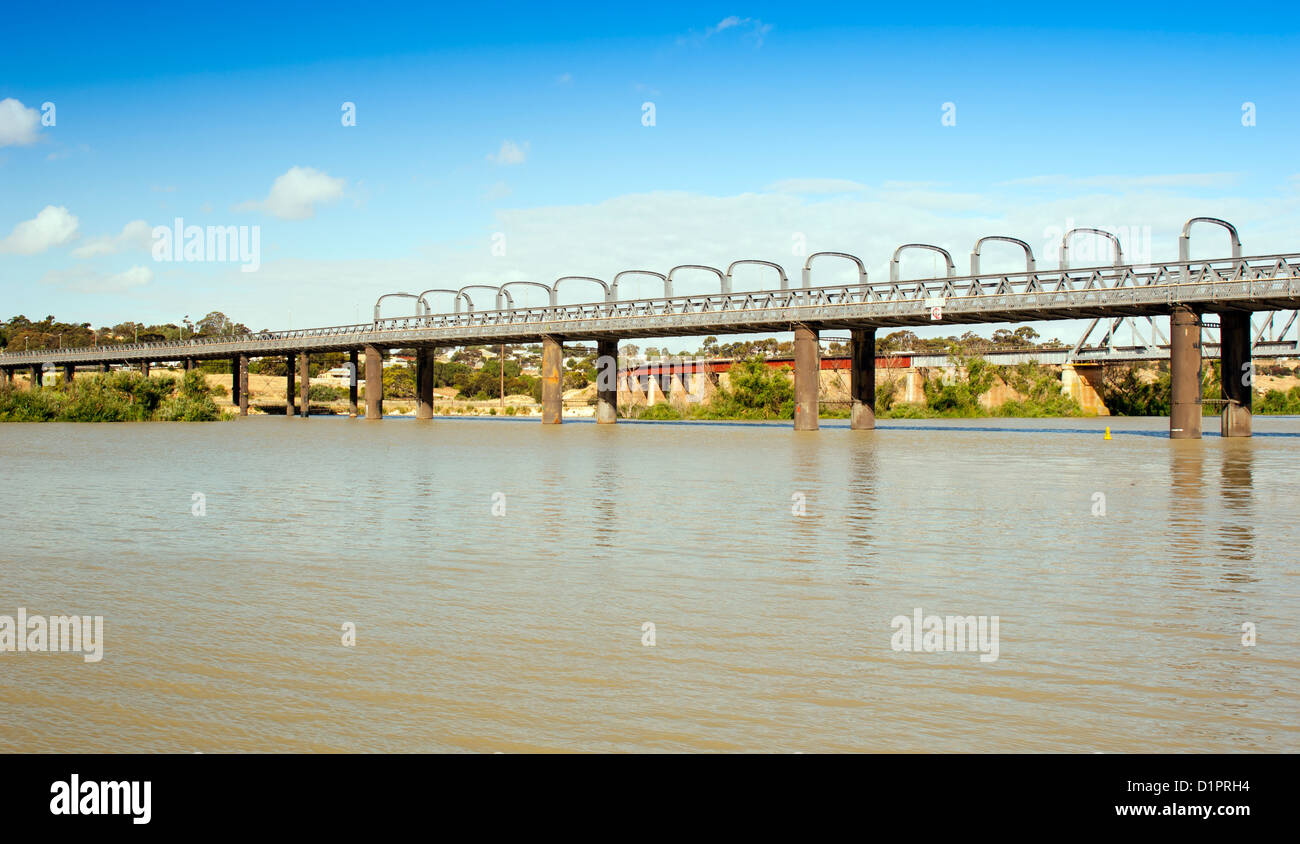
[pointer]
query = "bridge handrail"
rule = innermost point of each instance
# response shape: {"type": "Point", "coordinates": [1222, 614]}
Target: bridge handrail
{"type": "Point", "coordinates": [972, 288]}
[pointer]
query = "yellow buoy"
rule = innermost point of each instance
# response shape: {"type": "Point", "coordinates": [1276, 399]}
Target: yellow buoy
{"type": "Point", "coordinates": [1107, 432]}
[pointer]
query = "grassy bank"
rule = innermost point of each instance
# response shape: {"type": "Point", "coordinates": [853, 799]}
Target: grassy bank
{"type": "Point", "coordinates": [114, 397]}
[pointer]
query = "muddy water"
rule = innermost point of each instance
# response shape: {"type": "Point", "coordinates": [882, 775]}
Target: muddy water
{"type": "Point", "coordinates": [499, 574]}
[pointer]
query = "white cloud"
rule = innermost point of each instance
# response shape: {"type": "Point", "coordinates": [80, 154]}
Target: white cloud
{"type": "Point", "coordinates": [92, 281]}
{"type": "Point", "coordinates": [52, 227]}
{"type": "Point", "coordinates": [816, 186]}
{"type": "Point", "coordinates": [510, 153]}
{"type": "Point", "coordinates": [295, 194]}
{"type": "Point", "coordinates": [18, 124]}
{"type": "Point", "coordinates": [1166, 180]}
{"type": "Point", "coordinates": [499, 190]}
{"type": "Point", "coordinates": [134, 277]}
{"type": "Point", "coordinates": [752, 28]}
{"type": "Point", "coordinates": [564, 78]}
{"type": "Point", "coordinates": [136, 234]}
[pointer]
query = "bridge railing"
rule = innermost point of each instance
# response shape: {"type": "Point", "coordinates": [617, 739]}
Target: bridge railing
{"type": "Point", "coordinates": [1258, 276]}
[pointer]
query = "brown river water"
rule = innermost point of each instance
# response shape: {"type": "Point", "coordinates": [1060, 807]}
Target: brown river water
{"type": "Point", "coordinates": [499, 574]}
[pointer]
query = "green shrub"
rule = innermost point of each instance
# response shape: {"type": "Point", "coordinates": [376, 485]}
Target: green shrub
{"type": "Point", "coordinates": [1276, 401]}
{"type": "Point", "coordinates": [113, 397]}
{"type": "Point", "coordinates": [43, 405]}
{"type": "Point", "coordinates": [660, 411]}
{"type": "Point", "coordinates": [325, 393]}
{"type": "Point", "coordinates": [188, 409]}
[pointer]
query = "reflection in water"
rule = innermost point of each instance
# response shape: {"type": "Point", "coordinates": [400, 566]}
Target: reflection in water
{"type": "Point", "coordinates": [860, 508]}
{"type": "Point", "coordinates": [1186, 499]}
{"type": "Point", "coordinates": [1236, 532]}
{"type": "Point", "coordinates": [812, 494]}
{"type": "Point", "coordinates": [606, 492]}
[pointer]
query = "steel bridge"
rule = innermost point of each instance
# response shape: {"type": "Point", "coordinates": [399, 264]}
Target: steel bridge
{"type": "Point", "coordinates": [1233, 287]}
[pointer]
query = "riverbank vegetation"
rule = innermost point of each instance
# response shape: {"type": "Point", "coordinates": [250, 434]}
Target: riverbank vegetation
{"type": "Point", "coordinates": [113, 397]}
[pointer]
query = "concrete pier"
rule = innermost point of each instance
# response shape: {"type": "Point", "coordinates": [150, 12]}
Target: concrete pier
{"type": "Point", "coordinates": [144, 368]}
{"type": "Point", "coordinates": [606, 382]}
{"type": "Point", "coordinates": [1083, 383]}
{"type": "Point", "coordinates": [187, 365]}
{"type": "Point", "coordinates": [240, 383]}
{"type": "Point", "coordinates": [374, 384]}
{"type": "Point", "coordinates": [289, 362]}
{"type": "Point", "coordinates": [807, 378]}
{"type": "Point", "coordinates": [1185, 374]}
{"type": "Point", "coordinates": [862, 379]}
{"type": "Point", "coordinates": [103, 368]}
{"type": "Point", "coordinates": [69, 372]}
{"type": "Point", "coordinates": [654, 389]}
{"type": "Point", "coordinates": [677, 393]}
{"type": "Point", "coordinates": [304, 385]}
{"type": "Point", "coordinates": [36, 377]}
{"type": "Point", "coordinates": [1235, 373]}
{"type": "Point", "coordinates": [552, 381]}
{"type": "Point", "coordinates": [424, 382]}
{"type": "Point", "coordinates": [353, 357]}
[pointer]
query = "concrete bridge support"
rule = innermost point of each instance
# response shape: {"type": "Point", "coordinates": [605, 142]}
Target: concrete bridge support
{"type": "Point", "coordinates": [862, 379]}
{"type": "Point", "coordinates": [1083, 383]}
{"type": "Point", "coordinates": [353, 357]}
{"type": "Point", "coordinates": [654, 391]}
{"type": "Point", "coordinates": [36, 377]}
{"type": "Point", "coordinates": [239, 383]}
{"type": "Point", "coordinates": [424, 358]}
{"type": "Point", "coordinates": [6, 378]}
{"type": "Point", "coordinates": [1235, 372]}
{"type": "Point", "coordinates": [304, 385]}
{"type": "Point", "coordinates": [807, 377]}
{"type": "Point", "coordinates": [1185, 374]}
{"type": "Point", "coordinates": [290, 361]}
{"type": "Point", "coordinates": [606, 382]}
{"type": "Point", "coordinates": [374, 384]}
{"type": "Point", "coordinates": [144, 368]}
{"type": "Point", "coordinates": [69, 372]}
{"type": "Point", "coordinates": [187, 365]}
{"type": "Point", "coordinates": [103, 368]}
{"type": "Point", "coordinates": [552, 381]}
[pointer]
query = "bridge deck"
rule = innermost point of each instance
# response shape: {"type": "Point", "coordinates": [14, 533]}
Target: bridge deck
{"type": "Point", "coordinates": [1259, 283]}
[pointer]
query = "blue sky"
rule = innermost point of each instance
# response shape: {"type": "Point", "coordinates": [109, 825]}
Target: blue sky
{"type": "Point", "coordinates": [773, 124]}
